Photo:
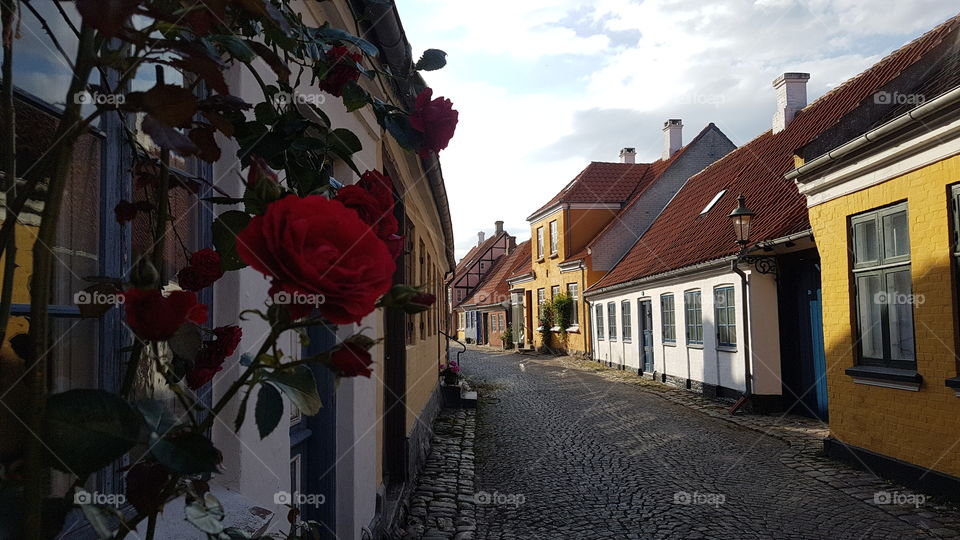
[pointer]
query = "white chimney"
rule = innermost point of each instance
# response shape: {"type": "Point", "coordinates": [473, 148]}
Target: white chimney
{"type": "Point", "coordinates": [628, 155]}
{"type": "Point", "coordinates": [480, 237]}
{"type": "Point", "coordinates": [791, 97]}
{"type": "Point", "coordinates": [672, 137]}
{"type": "Point", "coordinates": [499, 226]}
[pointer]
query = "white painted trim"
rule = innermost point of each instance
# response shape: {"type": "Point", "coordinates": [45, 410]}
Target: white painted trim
{"type": "Point", "coordinates": [538, 216]}
{"type": "Point", "coordinates": [912, 154]}
{"type": "Point", "coordinates": [912, 387]}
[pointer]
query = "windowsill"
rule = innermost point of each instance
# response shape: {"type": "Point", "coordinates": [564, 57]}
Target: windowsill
{"type": "Point", "coordinates": [540, 260]}
{"type": "Point", "coordinates": [555, 329]}
{"type": "Point", "coordinates": [955, 384]}
{"type": "Point", "coordinates": [612, 340]}
{"type": "Point", "coordinates": [727, 348]}
{"type": "Point", "coordinates": [627, 340]}
{"type": "Point", "coordinates": [899, 379]}
{"type": "Point", "coordinates": [539, 329]}
{"type": "Point", "coordinates": [695, 346]}
{"type": "Point", "coordinates": [554, 255]}
{"type": "Point", "coordinates": [575, 329]}
{"type": "Point", "coordinates": [670, 343]}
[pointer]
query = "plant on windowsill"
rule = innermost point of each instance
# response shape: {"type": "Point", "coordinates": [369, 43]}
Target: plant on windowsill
{"type": "Point", "coordinates": [288, 146]}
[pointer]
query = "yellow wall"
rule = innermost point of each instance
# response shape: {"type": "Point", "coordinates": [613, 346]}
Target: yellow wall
{"type": "Point", "coordinates": [917, 427]}
{"type": "Point", "coordinates": [575, 228]}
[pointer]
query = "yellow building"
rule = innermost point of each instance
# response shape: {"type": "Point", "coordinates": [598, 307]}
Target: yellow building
{"type": "Point", "coordinates": [884, 211]}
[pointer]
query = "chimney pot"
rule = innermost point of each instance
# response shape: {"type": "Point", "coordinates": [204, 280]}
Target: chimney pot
{"type": "Point", "coordinates": [791, 98]}
{"type": "Point", "coordinates": [672, 137]}
{"type": "Point", "coordinates": [480, 237]}
{"type": "Point", "coordinates": [628, 155]}
{"type": "Point", "coordinates": [499, 226]}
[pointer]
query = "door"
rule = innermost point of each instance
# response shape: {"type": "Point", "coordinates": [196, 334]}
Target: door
{"type": "Point", "coordinates": [484, 329]}
{"type": "Point", "coordinates": [645, 320]}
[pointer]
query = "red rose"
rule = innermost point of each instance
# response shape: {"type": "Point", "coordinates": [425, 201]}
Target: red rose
{"type": "Point", "coordinates": [259, 170]}
{"type": "Point", "coordinates": [155, 317]}
{"type": "Point", "coordinates": [228, 339]}
{"type": "Point", "coordinates": [343, 69]}
{"type": "Point", "coordinates": [395, 244]}
{"type": "Point", "coordinates": [423, 299]}
{"type": "Point", "coordinates": [317, 246]}
{"type": "Point", "coordinates": [203, 271]}
{"type": "Point", "coordinates": [191, 279]}
{"type": "Point", "coordinates": [436, 120]}
{"type": "Point", "coordinates": [372, 198]}
{"type": "Point", "coordinates": [352, 360]}
{"type": "Point", "coordinates": [207, 364]}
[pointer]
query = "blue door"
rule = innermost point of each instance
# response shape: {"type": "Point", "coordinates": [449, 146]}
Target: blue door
{"type": "Point", "coordinates": [819, 358]}
{"type": "Point", "coordinates": [802, 359]}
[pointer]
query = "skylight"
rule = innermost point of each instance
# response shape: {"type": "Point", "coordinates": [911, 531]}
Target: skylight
{"type": "Point", "coordinates": [712, 202]}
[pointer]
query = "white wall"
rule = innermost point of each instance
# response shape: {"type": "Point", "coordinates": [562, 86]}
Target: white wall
{"type": "Point", "coordinates": [707, 363]}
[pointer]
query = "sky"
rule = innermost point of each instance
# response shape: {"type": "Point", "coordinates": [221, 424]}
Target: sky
{"type": "Point", "coordinates": [546, 86]}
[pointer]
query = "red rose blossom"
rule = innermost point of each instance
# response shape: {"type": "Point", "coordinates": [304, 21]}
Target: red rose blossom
{"type": "Point", "coordinates": [352, 360]}
{"type": "Point", "coordinates": [423, 299]}
{"type": "Point", "coordinates": [228, 339]}
{"type": "Point", "coordinates": [259, 170]}
{"type": "Point", "coordinates": [203, 271]}
{"type": "Point", "coordinates": [372, 198]}
{"type": "Point", "coordinates": [207, 364]}
{"type": "Point", "coordinates": [342, 70]}
{"type": "Point", "coordinates": [317, 246]}
{"type": "Point", "coordinates": [395, 244]}
{"type": "Point", "coordinates": [436, 120]}
{"type": "Point", "coordinates": [155, 317]}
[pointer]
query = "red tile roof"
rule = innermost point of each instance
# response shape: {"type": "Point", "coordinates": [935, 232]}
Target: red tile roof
{"type": "Point", "coordinates": [602, 182]}
{"type": "Point", "coordinates": [494, 288]}
{"type": "Point", "coordinates": [681, 236]}
{"type": "Point", "coordinates": [524, 263]}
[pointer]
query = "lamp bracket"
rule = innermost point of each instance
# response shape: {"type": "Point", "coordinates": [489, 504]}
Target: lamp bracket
{"type": "Point", "coordinates": [763, 263]}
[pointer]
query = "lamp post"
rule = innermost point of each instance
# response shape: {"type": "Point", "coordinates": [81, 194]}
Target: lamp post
{"type": "Point", "coordinates": [742, 220]}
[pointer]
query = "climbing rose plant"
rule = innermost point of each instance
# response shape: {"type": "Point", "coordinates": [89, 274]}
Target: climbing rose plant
{"type": "Point", "coordinates": [328, 250]}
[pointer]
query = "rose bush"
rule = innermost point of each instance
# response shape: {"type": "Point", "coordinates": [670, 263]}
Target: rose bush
{"type": "Point", "coordinates": [317, 246]}
{"type": "Point", "coordinates": [343, 69]}
{"type": "Point", "coordinates": [155, 317]}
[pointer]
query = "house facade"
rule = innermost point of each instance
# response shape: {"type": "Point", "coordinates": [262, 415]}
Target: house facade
{"type": "Point", "coordinates": [469, 275]}
{"type": "Point", "coordinates": [592, 222]}
{"type": "Point", "coordinates": [678, 293]}
{"type": "Point", "coordinates": [491, 301]}
{"type": "Point", "coordinates": [884, 209]}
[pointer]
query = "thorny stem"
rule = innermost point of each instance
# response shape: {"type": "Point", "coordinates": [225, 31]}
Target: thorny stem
{"type": "Point", "coordinates": [8, 160]}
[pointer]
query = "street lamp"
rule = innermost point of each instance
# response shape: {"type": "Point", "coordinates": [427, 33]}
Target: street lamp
{"type": "Point", "coordinates": [741, 217]}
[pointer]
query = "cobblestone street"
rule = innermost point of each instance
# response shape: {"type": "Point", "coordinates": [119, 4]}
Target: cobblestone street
{"type": "Point", "coordinates": [565, 453]}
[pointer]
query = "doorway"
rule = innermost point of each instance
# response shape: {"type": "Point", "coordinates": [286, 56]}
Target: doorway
{"type": "Point", "coordinates": [645, 319]}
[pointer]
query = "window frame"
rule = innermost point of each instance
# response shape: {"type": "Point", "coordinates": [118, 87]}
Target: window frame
{"type": "Point", "coordinates": [728, 306]}
{"type": "Point", "coordinates": [573, 291]}
{"type": "Point", "coordinates": [672, 324]}
{"type": "Point", "coordinates": [612, 321]}
{"type": "Point", "coordinates": [554, 243]}
{"type": "Point", "coordinates": [883, 268]}
{"type": "Point", "coordinates": [626, 320]}
{"type": "Point", "coordinates": [688, 309]}
{"type": "Point", "coordinates": [539, 243]}
{"type": "Point", "coordinates": [598, 322]}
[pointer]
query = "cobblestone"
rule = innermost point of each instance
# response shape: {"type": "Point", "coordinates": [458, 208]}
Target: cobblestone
{"type": "Point", "coordinates": [569, 449]}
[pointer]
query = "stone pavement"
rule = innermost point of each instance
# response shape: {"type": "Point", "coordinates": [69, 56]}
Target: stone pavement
{"type": "Point", "coordinates": [568, 449]}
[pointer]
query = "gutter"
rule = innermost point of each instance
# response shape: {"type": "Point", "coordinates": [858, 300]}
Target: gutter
{"type": "Point", "coordinates": [396, 52]}
{"type": "Point", "coordinates": [715, 263]}
{"type": "Point", "coordinates": [914, 116]}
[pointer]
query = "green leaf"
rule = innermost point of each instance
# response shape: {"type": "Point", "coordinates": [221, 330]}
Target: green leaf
{"type": "Point", "coordinates": [156, 416]}
{"type": "Point", "coordinates": [354, 97]}
{"type": "Point", "coordinates": [185, 342]}
{"type": "Point", "coordinates": [299, 386]}
{"type": "Point", "coordinates": [269, 409]}
{"type": "Point", "coordinates": [235, 46]}
{"type": "Point", "coordinates": [185, 452]}
{"type": "Point", "coordinates": [206, 515]}
{"type": "Point", "coordinates": [432, 59]}
{"type": "Point", "coordinates": [335, 34]}
{"type": "Point", "coordinates": [399, 126]}
{"type": "Point", "coordinates": [225, 229]}
{"type": "Point", "coordinates": [343, 140]}
{"type": "Point", "coordinates": [86, 430]}
{"type": "Point", "coordinates": [265, 113]}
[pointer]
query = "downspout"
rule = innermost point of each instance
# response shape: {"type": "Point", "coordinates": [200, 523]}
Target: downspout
{"type": "Point", "coordinates": [747, 382]}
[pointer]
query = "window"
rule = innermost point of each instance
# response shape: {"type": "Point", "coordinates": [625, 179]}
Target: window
{"type": "Point", "coordinates": [541, 301]}
{"type": "Point", "coordinates": [599, 321]}
{"type": "Point", "coordinates": [539, 242]}
{"type": "Point", "coordinates": [612, 320]}
{"type": "Point", "coordinates": [553, 237]}
{"type": "Point", "coordinates": [883, 286]}
{"type": "Point", "coordinates": [625, 320]}
{"type": "Point", "coordinates": [693, 317]}
{"type": "Point", "coordinates": [409, 275]}
{"type": "Point", "coordinates": [554, 291]}
{"type": "Point", "coordinates": [668, 318]}
{"type": "Point", "coordinates": [712, 202]}
{"type": "Point", "coordinates": [422, 318]}
{"type": "Point", "coordinates": [724, 305]}
{"type": "Point", "coordinates": [573, 291]}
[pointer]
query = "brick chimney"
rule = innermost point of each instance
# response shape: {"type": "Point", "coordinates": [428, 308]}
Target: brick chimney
{"type": "Point", "coordinates": [672, 137]}
{"type": "Point", "coordinates": [498, 226]}
{"type": "Point", "coordinates": [480, 238]}
{"type": "Point", "coordinates": [628, 155]}
{"type": "Point", "coordinates": [791, 97]}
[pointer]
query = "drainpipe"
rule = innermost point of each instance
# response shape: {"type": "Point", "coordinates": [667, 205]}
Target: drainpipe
{"type": "Point", "coordinates": [748, 383]}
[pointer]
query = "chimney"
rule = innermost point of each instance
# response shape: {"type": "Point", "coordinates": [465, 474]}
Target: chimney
{"type": "Point", "coordinates": [499, 226]}
{"type": "Point", "coordinates": [628, 155]}
{"type": "Point", "coordinates": [672, 137]}
{"type": "Point", "coordinates": [791, 97]}
{"type": "Point", "coordinates": [480, 237]}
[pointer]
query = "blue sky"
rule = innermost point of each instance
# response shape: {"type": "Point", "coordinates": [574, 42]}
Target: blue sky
{"type": "Point", "coordinates": [546, 86]}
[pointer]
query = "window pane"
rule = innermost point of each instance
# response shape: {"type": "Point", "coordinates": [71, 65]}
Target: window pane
{"type": "Point", "coordinates": [900, 312]}
{"type": "Point", "coordinates": [865, 241]}
{"type": "Point", "coordinates": [896, 238]}
{"type": "Point", "coordinates": [868, 298]}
